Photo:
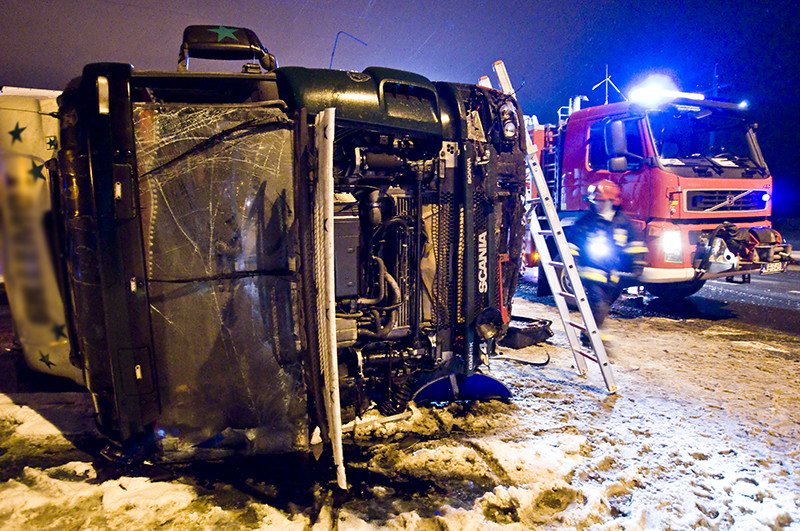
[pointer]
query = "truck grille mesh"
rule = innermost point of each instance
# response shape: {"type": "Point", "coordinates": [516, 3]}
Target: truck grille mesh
{"type": "Point", "coordinates": [726, 200]}
{"type": "Point", "coordinates": [442, 238]}
{"type": "Point", "coordinates": [405, 208]}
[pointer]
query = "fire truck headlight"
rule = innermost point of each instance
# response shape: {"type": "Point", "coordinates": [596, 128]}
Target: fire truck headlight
{"type": "Point", "coordinates": [672, 245]}
{"type": "Point", "coordinates": [765, 197]}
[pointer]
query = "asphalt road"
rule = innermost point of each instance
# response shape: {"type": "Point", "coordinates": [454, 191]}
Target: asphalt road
{"type": "Point", "coordinates": [770, 301]}
{"type": "Point", "coordinates": [773, 291]}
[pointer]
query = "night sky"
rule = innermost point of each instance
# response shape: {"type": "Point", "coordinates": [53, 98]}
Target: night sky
{"type": "Point", "coordinates": [559, 49]}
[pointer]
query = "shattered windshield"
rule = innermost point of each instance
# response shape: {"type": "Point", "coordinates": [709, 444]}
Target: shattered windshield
{"type": "Point", "coordinates": [216, 196]}
{"type": "Point", "coordinates": [717, 137]}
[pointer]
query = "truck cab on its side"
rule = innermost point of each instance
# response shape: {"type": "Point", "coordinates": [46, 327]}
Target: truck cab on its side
{"type": "Point", "coordinates": [250, 260]}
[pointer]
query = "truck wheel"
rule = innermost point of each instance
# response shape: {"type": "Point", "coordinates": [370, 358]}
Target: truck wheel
{"type": "Point", "coordinates": [676, 290]}
{"type": "Point", "coordinates": [542, 286]}
{"type": "Point", "coordinates": [566, 286]}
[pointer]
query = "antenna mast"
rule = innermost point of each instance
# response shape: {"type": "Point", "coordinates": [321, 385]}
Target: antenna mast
{"type": "Point", "coordinates": [336, 41]}
{"type": "Point", "coordinates": [607, 81]}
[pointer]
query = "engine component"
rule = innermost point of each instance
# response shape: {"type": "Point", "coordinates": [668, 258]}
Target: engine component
{"type": "Point", "coordinates": [723, 248]}
{"type": "Point", "coordinates": [346, 332]}
{"type": "Point", "coordinates": [720, 258]}
{"type": "Point", "coordinates": [346, 245]}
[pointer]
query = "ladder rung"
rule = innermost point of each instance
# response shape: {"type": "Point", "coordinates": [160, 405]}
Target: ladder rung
{"type": "Point", "coordinates": [577, 325]}
{"type": "Point", "coordinates": [556, 264]}
{"type": "Point", "coordinates": [567, 295]}
{"type": "Point", "coordinates": [589, 355]}
{"type": "Point", "coordinates": [545, 232]}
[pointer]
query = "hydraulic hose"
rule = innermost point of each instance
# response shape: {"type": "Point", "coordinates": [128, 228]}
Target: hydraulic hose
{"type": "Point", "coordinates": [397, 220]}
{"type": "Point", "coordinates": [384, 331]}
{"type": "Point", "coordinates": [381, 282]}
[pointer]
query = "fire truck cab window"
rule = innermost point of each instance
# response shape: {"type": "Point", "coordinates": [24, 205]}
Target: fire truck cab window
{"type": "Point", "coordinates": [598, 157]}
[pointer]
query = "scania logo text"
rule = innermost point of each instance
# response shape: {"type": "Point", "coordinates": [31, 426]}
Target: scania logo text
{"type": "Point", "coordinates": [483, 272]}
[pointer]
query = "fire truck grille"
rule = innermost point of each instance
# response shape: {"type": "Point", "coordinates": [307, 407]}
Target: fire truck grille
{"type": "Point", "coordinates": [726, 200]}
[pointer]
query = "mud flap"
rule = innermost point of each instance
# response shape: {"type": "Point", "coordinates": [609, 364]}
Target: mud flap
{"type": "Point", "coordinates": [456, 386]}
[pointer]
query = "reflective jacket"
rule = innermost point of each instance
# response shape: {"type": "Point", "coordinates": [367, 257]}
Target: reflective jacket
{"type": "Point", "coordinates": [602, 248]}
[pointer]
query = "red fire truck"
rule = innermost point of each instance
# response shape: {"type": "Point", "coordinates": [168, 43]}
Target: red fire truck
{"type": "Point", "coordinates": [691, 173]}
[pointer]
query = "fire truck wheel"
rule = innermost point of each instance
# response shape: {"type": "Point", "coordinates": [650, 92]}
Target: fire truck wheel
{"type": "Point", "coordinates": [675, 291]}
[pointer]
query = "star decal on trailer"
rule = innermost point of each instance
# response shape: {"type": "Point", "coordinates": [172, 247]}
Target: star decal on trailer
{"type": "Point", "coordinates": [223, 33]}
{"type": "Point", "coordinates": [16, 133]}
{"type": "Point", "coordinates": [52, 142]}
{"type": "Point", "coordinates": [36, 171]}
{"type": "Point", "coordinates": [45, 358]}
{"type": "Point", "coordinates": [59, 331]}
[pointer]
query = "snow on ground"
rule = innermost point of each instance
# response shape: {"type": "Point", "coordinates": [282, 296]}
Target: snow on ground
{"type": "Point", "coordinates": [703, 434]}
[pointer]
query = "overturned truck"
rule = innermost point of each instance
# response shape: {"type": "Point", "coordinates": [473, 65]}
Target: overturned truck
{"type": "Point", "coordinates": [250, 258]}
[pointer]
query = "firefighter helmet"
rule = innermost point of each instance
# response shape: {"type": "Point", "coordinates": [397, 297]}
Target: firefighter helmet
{"type": "Point", "coordinates": [605, 190]}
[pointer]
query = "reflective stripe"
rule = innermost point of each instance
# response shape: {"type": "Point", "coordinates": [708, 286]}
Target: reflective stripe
{"type": "Point", "coordinates": [634, 250]}
{"type": "Point", "coordinates": [594, 275]}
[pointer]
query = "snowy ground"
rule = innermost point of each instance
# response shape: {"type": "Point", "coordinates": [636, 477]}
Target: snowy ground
{"type": "Point", "coordinates": [703, 434]}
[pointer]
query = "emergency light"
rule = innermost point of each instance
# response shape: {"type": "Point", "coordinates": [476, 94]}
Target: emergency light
{"type": "Point", "coordinates": [654, 96]}
{"type": "Point", "coordinates": [658, 89]}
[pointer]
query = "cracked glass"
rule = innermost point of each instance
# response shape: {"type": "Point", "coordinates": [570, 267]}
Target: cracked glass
{"type": "Point", "coordinates": [216, 199]}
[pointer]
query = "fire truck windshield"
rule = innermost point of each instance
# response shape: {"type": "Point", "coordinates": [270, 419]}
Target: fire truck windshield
{"type": "Point", "coordinates": [704, 137]}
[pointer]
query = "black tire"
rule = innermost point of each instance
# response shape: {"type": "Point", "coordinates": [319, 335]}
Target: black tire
{"type": "Point", "coordinates": [566, 286]}
{"type": "Point", "coordinates": [676, 290]}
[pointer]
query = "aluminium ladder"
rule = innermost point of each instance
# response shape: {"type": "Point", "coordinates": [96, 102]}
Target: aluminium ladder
{"type": "Point", "coordinates": [597, 353]}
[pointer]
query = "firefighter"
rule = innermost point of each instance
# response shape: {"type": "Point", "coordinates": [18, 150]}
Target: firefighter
{"type": "Point", "coordinates": [605, 244]}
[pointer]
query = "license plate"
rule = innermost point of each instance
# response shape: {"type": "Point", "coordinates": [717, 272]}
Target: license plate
{"type": "Point", "coordinates": [774, 267]}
